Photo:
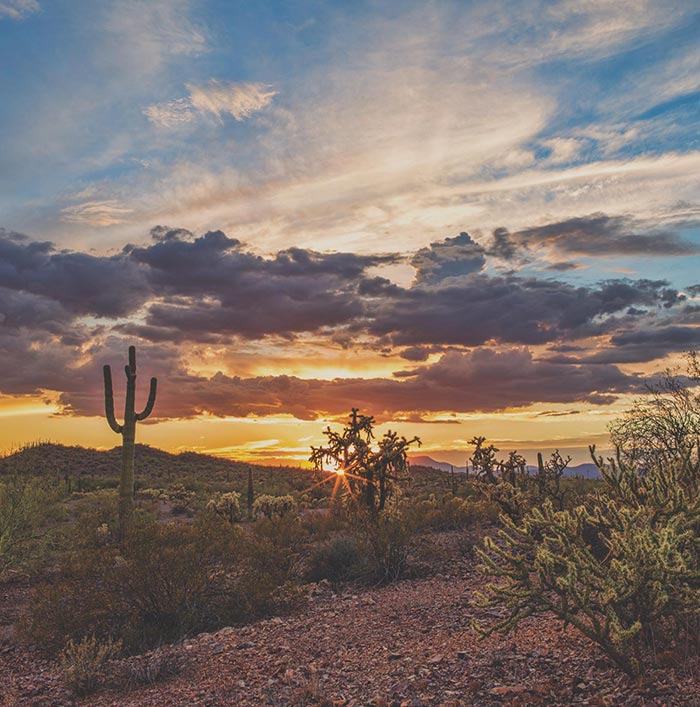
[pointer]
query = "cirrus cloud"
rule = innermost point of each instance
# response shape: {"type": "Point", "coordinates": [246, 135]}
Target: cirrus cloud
{"type": "Point", "coordinates": [217, 98]}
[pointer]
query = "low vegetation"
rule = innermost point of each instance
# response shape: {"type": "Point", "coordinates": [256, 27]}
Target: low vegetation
{"type": "Point", "coordinates": [617, 559]}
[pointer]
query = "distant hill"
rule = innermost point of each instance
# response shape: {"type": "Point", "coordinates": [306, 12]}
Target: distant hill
{"type": "Point", "coordinates": [153, 467]}
{"type": "Point", "coordinates": [59, 459]}
{"type": "Point", "coordinates": [159, 469]}
{"type": "Point", "coordinates": [584, 471]}
{"type": "Point", "coordinates": [424, 460]}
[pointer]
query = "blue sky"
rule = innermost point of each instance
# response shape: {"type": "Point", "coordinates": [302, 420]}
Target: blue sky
{"type": "Point", "coordinates": [365, 128]}
{"type": "Point", "coordinates": [542, 87]}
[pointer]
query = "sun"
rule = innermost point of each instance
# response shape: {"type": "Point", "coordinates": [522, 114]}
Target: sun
{"type": "Point", "coordinates": [335, 467]}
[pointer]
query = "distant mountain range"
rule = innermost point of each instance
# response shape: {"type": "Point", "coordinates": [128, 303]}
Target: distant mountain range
{"type": "Point", "coordinates": [584, 471]}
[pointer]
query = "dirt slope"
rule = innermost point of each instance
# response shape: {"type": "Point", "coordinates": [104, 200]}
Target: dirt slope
{"type": "Point", "coordinates": [409, 644]}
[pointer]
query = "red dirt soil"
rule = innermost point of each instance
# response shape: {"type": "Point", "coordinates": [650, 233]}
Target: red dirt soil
{"type": "Point", "coordinates": [410, 644]}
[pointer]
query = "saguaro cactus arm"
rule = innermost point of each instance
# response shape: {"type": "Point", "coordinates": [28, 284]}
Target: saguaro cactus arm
{"type": "Point", "coordinates": [109, 401]}
{"type": "Point", "coordinates": [151, 401]}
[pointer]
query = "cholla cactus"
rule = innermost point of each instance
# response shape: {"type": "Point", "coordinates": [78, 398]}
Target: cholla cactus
{"type": "Point", "coordinates": [623, 568]}
{"type": "Point", "coordinates": [371, 470]}
{"type": "Point", "coordinates": [128, 432]}
{"type": "Point", "coordinates": [270, 506]}
{"type": "Point", "coordinates": [226, 505]}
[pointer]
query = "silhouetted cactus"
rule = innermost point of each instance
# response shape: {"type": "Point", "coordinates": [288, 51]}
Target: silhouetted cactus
{"type": "Point", "coordinates": [128, 433]}
{"type": "Point", "coordinates": [251, 492]}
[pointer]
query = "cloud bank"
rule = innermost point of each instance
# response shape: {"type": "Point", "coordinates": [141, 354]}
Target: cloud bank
{"type": "Point", "coordinates": [470, 331]}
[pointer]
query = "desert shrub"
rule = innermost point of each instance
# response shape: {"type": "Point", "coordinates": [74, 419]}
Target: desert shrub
{"type": "Point", "coordinates": [508, 484]}
{"type": "Point", "coordinates": [339, 559]}
{"type": "Point", "coordinates": [663, 425]}
{"type": "Point", "coordinates": [321, 525]}
{"type": "Point", "coordinates": [83, 665]}
{"type": "Point", "coordinates": [152, 494]}
{"type": "Point", "coordinates": [25, 505]}
{"type": "Point", "coordinates": [450, 513]}
{"type": "Point", "coordinates": [270, 506]}
{"type": "Point", "coordinates": [263, 583]}
{"type": "Point", "coordinates": [622, 567]}
{"type": "Point", "coordinates": [149, 668]}
{"type": "Point", "coordinates": [386, 543]}
{"type": "Point", "coordinates": [226, 505]}
{"type": "Point", "coordinates": [164, 582]}
{"type": "Point", "coordinates": [95, 521]}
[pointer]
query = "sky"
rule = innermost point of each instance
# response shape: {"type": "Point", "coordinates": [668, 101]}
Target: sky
{"type": "Point", "coordinates": [463, 218]}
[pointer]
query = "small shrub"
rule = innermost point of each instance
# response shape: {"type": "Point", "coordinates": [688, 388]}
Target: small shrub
{"type": "Point", "coordinates": [83, 664]}
{"type": "Point", "coordinates": [24, 504]}
{"type": "Point", "coordinates": [182, 499]}
{"type": "Point", "coordinates": [386, 541]}
{"type": "Point", "coordinates": [339, 559]}
{"type": "Point", "coordinates": [263, 582]}
{"type": "Point", "coordinates": [450, 513]}
{"type": "Point", "coordinates": [149, 668]}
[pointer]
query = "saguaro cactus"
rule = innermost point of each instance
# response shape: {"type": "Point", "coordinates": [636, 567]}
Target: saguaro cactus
{"type": "Point", "coordinates": [251, 492]}
{"type": "Point", "coordinates": [128, 433]}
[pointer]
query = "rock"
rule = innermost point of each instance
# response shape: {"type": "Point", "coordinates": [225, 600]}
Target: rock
{"type": "Point", "coordinates": [508, 689]}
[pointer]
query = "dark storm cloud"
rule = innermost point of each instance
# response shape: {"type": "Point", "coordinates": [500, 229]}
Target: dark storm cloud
{"type": "Point", "coordinates": [641, 345]}
{"type": "Point", "coordinates": [667, 338]}
{"type": "Point", "coordinates": [200, 288]}
{"type": "Point", "coordinates": [504, 309]}
{"type": "Point", "coordinates": [562, 267]}
{"type": "Point", "coordinates": [503, 245]}
{"type": "Point", "coordinates": [599, 234]}
{"type": "Point", "coordinates": [81, 283]}
{"type": "Point", "coordinates": [39, 343]}
{"type": "Point", "coordinates": [211, 289]}
{"type": "Point", "coordinates": [33, 312]}
{"type": "Point", "coordinates": [225, 290]}
{"type": "Point", "coordinates": [483, 380]}
{"type": "Point", "coordinates": [452, 257]}
{"type": "Point", "coordinates": [415, 353]}
{"type": "Point", "coordinates": [217, 265]}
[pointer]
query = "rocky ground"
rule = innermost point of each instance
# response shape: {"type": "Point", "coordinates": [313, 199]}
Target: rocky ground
{"type": "Point", "coordinates": [409, 644]}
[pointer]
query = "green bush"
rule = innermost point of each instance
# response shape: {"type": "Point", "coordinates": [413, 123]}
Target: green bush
{"type": "Point", "coordinates": [339, 559]}
{"type": "Point", "coordinates": [386, 542]}
{"type": "Point", "coordinates": [160, 585]}
{"type": "Point", "coordinates": [264, 582]}
{"type": "Point", "coordinates": [623, 568]}
{"type": "Point", "coordinates": [26, 504]}
{"type": "Point", "coordinates": [149, 668]}
{"type": "Point", "coordinates": [165, 582]}
{"type": "Point", "coordinates": [450, 513]}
